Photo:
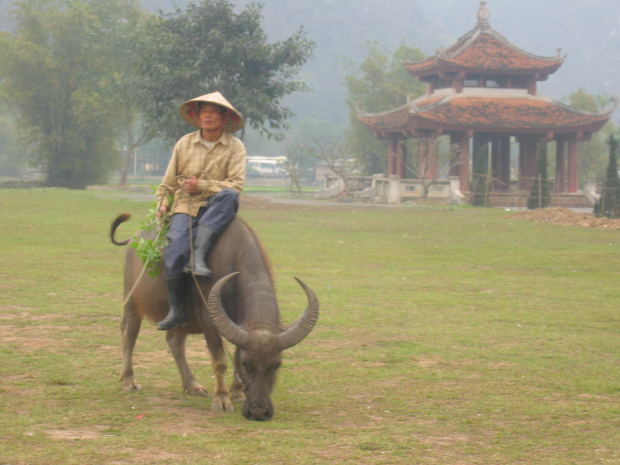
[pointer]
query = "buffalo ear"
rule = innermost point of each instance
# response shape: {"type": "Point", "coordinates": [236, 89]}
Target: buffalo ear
{"type": "Point", "coordinates": [305, 324]}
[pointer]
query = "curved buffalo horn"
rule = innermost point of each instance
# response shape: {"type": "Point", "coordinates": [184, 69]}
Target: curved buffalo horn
{"type": "Point", "coordinates": [302, 327]}
{"type": "Point", "coordinates": [227, 328]}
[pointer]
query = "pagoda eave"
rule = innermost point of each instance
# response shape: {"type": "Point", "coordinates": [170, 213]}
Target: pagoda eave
{"type": "Point", "coordinates": [459, 72]}
{"type": "Point", "coordinates": [581, 133]}
{"type": "Point", "coordinates": [420, 126]}
{"type": "Point", "coordinates": [483, 50]}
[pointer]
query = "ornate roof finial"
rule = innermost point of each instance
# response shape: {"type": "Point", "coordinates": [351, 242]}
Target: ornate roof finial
{"type": "Point", "coordinates": [483, 15]}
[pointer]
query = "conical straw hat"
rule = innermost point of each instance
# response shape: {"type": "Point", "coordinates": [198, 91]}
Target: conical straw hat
{"type": "Point", "coordinates": [189, 111]}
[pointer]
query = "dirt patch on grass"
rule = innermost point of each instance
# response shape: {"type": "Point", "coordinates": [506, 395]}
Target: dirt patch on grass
{"type": "Point", "coordinates": [444, 440]}
{"type": "Point", "coordinates": [567, 217]}
{"type": "Point", "coordinates": [30, 333]}
{"type": "Point", "coordinates": [86, 433]}
{"type": "Point", "coordinates": [154, 456]}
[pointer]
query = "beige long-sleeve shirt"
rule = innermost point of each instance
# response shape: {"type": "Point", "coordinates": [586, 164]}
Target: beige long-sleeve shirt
{"type": "Point", "coordinates": [218, 166]}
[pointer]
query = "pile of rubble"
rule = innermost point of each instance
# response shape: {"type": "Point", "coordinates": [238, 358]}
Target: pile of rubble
{"type": "Point", "coordinates": [567, 217]}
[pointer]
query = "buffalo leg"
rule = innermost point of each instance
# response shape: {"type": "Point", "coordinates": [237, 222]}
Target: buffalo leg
{"type": "Point", "coordinates": [176, 342]}
{"type": "Point", "coordinates": [237, 389]}
{"type": "Point", "coordinates": [221, 400]}
{"type": "Point", "coordinates": [130, 328]}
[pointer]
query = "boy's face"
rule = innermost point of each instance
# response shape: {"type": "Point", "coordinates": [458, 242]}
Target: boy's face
{"type": "Point", "coordinates": [210, 117]}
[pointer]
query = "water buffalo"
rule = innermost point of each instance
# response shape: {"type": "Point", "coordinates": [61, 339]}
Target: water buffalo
{"type": "Point", "coordinates": [242, 307]}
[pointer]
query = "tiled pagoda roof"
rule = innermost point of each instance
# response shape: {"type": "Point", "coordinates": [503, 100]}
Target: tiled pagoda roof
{"type": "Point", "coordinates": [481, 110]}
{"type": "Point", "coordinates": [483, 49]}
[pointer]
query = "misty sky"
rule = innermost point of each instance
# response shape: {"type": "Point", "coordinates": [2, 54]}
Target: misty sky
{"type": "Point", "coordinates": [587, 30]}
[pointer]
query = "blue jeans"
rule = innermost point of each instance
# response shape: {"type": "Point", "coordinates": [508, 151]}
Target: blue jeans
{"type": "Point", "coordinates": [218, 213]}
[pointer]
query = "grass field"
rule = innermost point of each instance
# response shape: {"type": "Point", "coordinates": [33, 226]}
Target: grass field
{"type": "Point", "coordinates": [447, 335]}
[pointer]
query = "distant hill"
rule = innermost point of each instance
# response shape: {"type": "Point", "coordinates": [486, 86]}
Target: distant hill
{"type": "Point", "coordinates": [587, 30]}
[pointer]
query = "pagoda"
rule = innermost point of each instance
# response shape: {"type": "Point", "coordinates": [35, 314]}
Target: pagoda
{"type": "Point", "coordinates": [482, 93]}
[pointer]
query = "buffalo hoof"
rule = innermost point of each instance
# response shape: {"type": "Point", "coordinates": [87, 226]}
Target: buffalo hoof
{"type": "Point", "coordinates": [130, 385]}
{"type": "Point", "coordinates": [237, 395]}
{"type": "Point", "coordinates": [221, 404]}
{"type": "Point", "coordinates": [196, 389]}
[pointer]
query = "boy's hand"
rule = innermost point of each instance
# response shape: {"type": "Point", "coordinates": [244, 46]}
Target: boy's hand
{"type": "Point", "coordinates": [191, 185]}
{"type": "Point", "coordinates": [161, 212]}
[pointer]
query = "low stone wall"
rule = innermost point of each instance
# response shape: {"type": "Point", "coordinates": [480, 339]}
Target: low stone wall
{"type": "Point", "coordinates": [394, 190]}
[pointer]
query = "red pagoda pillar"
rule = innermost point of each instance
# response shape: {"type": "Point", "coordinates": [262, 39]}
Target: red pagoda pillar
{"type": "Point", "coordinates": [560, 166]}
{"type": "Point", "coordinates": [391, 162]}
{"type": "Point", "coordinates": [522, 151]}
{"type": "Point", "coordinates": [572, 164]}
{"type": "Point", "coordinates": [401, 153]}
{"type": "Point", "coordinates": [396, 157]}
{"type": "Point", "coordinates": [465, 156]}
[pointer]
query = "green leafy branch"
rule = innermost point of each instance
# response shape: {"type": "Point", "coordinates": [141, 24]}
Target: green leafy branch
{"type": "Point", "coordinates": [150, 250]}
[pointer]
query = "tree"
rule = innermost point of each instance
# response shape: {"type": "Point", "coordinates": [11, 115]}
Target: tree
{"type": "Point", "coordinates": [381, 83]}
{"type": "Point", "coordinates": [540, 196]}
{"type": "Point", "coordinates": [423, 167]}
{"type": "Point", "coordinates": [57, 72]}
{"type": "Point", "coordinates": [297, 157]}
{"type": "Point", "coordinates": [609, 203]}
{"type": "Point", "coordinates": [209, 47]}
{"type": "Point", "coordinates": [338, 159]}
{"type": "Point", "coordinates": [11, 163]}
{"type": "Point", "coordinates": [593, 152]}
{"type": "Point", "coordinates": [125, 86]}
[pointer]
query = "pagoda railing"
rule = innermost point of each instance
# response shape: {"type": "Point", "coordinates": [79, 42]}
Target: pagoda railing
{"type": "Point", "coordinates": [390, 189]}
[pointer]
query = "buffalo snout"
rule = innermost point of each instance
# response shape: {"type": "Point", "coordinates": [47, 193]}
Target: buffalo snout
{"type": "Point", "coordinates": [258, 412]}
